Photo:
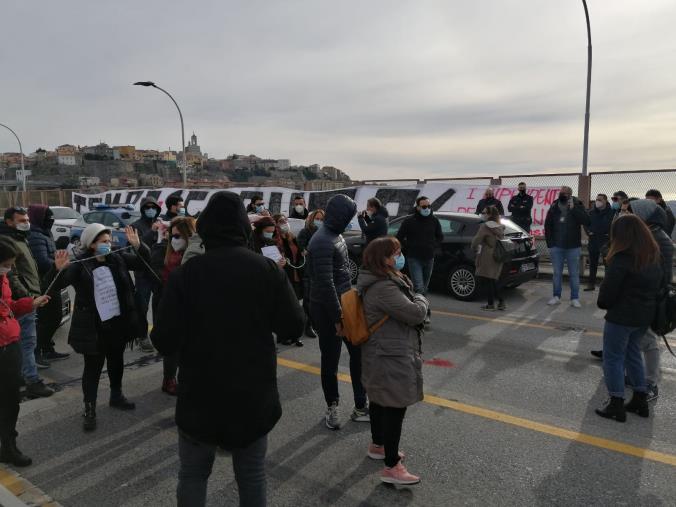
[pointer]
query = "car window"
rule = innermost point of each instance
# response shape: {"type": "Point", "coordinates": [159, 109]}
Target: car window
{"type": "Point", "coordinates": [393, 229]}
{"type": "Point", "coordinates": [65, 214]}
{"type": "Point", "coordinates": [93, 218]}
{"type": "Point", "coordinates": [110, 218]}
{"type": "Point", "coordinates": [131, 217]}
{"type": "Point", "coordinates": [450, 226]}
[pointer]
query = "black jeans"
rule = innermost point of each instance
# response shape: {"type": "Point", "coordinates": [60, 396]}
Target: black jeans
{"type": "Point", "coordinates": [386, 425]}
{"type": "Point", "coordinates": [492, 288]}
{"type": "Point", "coordinates": [93, 366]}
{"type": "Point", "coordinates": [10, 381]}
{"type": "Point", "coordinates": [330, 346]}
{"type": "Point", "coordinates": [595, 246]}
{"type": "Point", "coordinates": [48, 321]}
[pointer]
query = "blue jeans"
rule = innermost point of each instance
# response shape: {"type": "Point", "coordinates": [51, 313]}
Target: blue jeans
{"type": "Point", "coordinates": [197, 459]}
{"type": "Point", "coordinates": [570, 256]}
{"type": "Point", "coordinates": [29, 340]}
{"type": "Point", "coordinates": [622, 351]}
{"type": "Point", "coordinates": [421, 273]}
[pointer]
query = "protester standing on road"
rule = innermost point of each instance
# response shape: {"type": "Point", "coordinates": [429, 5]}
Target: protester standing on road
{"type": "Point", "coordinates": [10, 357]}
{"type": "Point", "coordinates": [521, 208]}
{"type": "Point", "coordinates": [489, 200]}
{"type": "Point", "coordinates": [617, 199]}
{"type": "Point", "coordinates": [391, 358]}
{"type": "Point", "coordinates": [43, 249]}
{"type": "Point", "coordinates": [165, 258]}
{"type": "Point", "coordinates": [294, 266]}
{"type": "Point", "coordinates": [148, 227]}
{"type": "Point", "coordinates": [24, 281]}
{"type": "Point", "coordinates": [601, 218]}
{"type": "Point", "coordinates": [105, 317]}
{"type": "Point", "coordinates": [299, 210]}
{"type": "Point", "coordinates": [629, 294]}
{"type": "Point", "coordinates": [563, 233]}
{"type": "Point", "coordinates": [488, 270]}
{"type": "Point", "coordinates": [175, 208]}
{"type": "Point", "coordinates": [329, 273]}
{"type": "Point", "coordinates": [656, 195]}
{"type": "Point", "coordinates": [219, 312]}
{"type": "Point", "coordinates": [312, 224]}
{"type": "Point", "coordinates": [373, 220]}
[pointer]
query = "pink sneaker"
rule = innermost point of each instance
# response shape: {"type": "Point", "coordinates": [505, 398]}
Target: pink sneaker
{"type": "Point", "coordinates": [398, 475]}
{"type": "Point", "coordinates": [378, 452]}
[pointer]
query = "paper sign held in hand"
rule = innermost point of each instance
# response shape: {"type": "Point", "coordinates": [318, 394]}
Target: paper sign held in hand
{"type": "Point", "coordinates": [105, 294]}
{"type": "Point", "coordinates": [271, 252]}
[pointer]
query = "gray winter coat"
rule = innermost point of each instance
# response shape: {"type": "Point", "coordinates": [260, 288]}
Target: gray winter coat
{"type": "Point", "coordinates": [391, 358]}
{"type": "Point", "coordinates": [484, 244]}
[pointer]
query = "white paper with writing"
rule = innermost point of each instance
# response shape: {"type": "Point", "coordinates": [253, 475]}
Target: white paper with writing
{"type": "Point", "coordinates": [271, 252]}
{"type": "Point", "coordinates": [105, 294]}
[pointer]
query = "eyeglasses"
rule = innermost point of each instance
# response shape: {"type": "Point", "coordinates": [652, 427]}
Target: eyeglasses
{"type": "Point", "coordinates": [615, 198]}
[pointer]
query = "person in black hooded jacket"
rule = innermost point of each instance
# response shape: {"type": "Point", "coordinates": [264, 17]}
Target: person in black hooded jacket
{"type": "Point", "coordinates": [219, 312]}
{"type": "Point", "coordinates": [43, 248]}
{"type": "Point", "coordinates": [329, 276]}
{"type": "Point", "coordinates": [374, 220]}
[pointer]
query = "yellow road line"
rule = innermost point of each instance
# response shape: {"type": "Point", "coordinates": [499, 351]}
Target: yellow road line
{"type": "Point", "coordinates": [548, 429]}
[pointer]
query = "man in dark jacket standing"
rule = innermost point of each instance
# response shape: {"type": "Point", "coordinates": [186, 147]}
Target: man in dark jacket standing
{"type": "Point", "coordinates": [489, 200]}
{"type": "Point", "coordinates": [601, 218]}
{"type": "Point", "coordinates": [299, 210]}
{"type": "Point", "coordinates": [419, 236]}
{"type": "Point", "coordinates": [374, 220]}
{"type": "Point", "coordinates": [24, 281]}
{"type": "Point", "coordinates": [175, 208]}
{"type": "Point", "coordinates": [329, 275]}
{"type": "Point", "coordinates": [563, 233]}
{"type": "Point", "coordinates": [521, 208]}
{"type": "Point", "coordinates": [147, 227]}
{"type": "Point", "coordinates": [216, 317]}
{"type": "Point", "coordinates": [43, 248]}
{"type": "Point", "coordinates": [656, 195]}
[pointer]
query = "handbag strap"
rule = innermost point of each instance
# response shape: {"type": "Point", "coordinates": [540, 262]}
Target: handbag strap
{"type": "Point", "coordinates": [666, 342]}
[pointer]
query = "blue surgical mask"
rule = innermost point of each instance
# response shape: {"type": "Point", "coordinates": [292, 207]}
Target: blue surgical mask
{"type": "Point", "coordinates": [260, 209]}
{"type": "Point", "coordinates": [616, 205]}
{"type": "Point", "coordinates": [268, 235]}
{"type": "Point", "coordinates": [426, 212]}
{"type": "Point", "coordinates": [319, 223]}
{"type": "Point", "coordinates": [181, 212]}
{"type": "Point", "coordinates": [150, 213]}
{"type": "Point", "coordinates": [399, 262]}
{"type": "Point", "coordinates": [103, 249]}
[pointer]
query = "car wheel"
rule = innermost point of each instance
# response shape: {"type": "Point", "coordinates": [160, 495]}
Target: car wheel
{"type": "Point", "coordinates": [462, 282]}
{"type": "Point", "coordinates": [354, 269]}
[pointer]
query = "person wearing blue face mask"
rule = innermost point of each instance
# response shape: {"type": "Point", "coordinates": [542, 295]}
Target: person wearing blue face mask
{"type": "Point", "coordinates": [617, 199]}
{"type": "Point", "coordinates": [175, 208]}
{"type": "Point", "coordinates": [147, 228]}
{"type": "Point", "coordinates": [105, 316]}
{"type": "Point", "coordinates": [265, 235]}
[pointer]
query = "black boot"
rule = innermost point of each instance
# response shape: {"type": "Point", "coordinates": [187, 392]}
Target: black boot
{"type": "Point", "coordinates": [89, 422]}
{"type": "Point", "coordinates": [12, 455]}
{"type": "Point", "coordinates": [309, 331]}
{"type": "Point", "coordinates": [119, 401]}
{"type": "Point", "coordinates": [614, 410]}
{"type": "Point", "coordinates": [638, 404]}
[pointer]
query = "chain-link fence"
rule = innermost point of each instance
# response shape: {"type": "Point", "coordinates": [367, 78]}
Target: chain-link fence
{"type": "Point", "coordinates": [635, 183]}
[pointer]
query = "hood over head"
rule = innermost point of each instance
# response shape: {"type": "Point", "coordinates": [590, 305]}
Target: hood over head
{"type": "Point", "coordinates": [150, 202]}
{"type": "Point", "coordinates": [224, 222]}
{"type": "Point", "coordinates": [649, 212]}
{"type": "Point", "coordinates": [340, 210]}
{"type": "Point", "coordinates": [38, 213]}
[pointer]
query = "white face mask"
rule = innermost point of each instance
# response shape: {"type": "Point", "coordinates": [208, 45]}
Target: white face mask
{"type": "Point", "coordinates": [23, 226]}
{"type": "Point", "coordinates": [4, 271]}
{"type": "Point", "coordinates": [178, 244]}
{"type": "Point", "coordinates": [284, 228]}
{"type": "Point", "coordinates": [300, 208]}
{"type": "Point", "coordinates": [600, 204]}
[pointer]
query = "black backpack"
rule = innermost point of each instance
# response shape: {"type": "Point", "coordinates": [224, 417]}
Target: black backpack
{"type": "Point", "coordinates": [665, 316]}
{"type": "Point", "coordinates": [504, 250]}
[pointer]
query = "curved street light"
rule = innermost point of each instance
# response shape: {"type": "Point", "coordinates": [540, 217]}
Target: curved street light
{"type": "Point", "coordinates": [185, 160]}
{"type": "Point", "coordinates": [23, 172]}
{"type": "Point", "coordinates": [585, 148]}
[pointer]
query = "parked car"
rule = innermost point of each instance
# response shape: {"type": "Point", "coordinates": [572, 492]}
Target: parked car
{"type": "Point", "coordinates": [117, 217]}
{"type": "Point", "coordinates": [454, 259]}
{"type": "Point", "coordinates": [64, 218]}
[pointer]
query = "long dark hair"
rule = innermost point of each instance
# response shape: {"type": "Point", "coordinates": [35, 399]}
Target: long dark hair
{"type": "Point", "coordinates": [629, 234]}
{"type": "Point", "coordinates": [377, 252]}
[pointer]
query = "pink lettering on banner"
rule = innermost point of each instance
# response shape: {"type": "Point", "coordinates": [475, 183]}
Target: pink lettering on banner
{"type": "Point", "coordinates": [471, 194]}
{"type": "Point", "coordinates": [504, 192]}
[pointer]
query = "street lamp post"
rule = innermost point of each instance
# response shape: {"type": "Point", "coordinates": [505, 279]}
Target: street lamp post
{"type": "Point", "coordinates": [185, 160]}
{"type": "Point", "coordinates": [585, 148]}
{"type": "Point", "coordinates": [23, 172]}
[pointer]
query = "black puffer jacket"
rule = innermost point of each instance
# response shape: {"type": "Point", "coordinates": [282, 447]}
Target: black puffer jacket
{"type": "Point", "coordinates": [42, 247]}
{"type": "Point", "coordinates": [572, 234]}
{"type": "Point", "coordinates": [227, 392]}
{"type": "Point", "coordinates": [87, 332]}
{"type": "Point", "coordinates": [376, 226]}
{"type": "Point", "coordinates": [629, 297]}
{"type": "Point", "coordinates": [327, 261]}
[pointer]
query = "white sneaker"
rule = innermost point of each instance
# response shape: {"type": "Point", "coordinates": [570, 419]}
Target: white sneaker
{"type": "Point", "coordinates": [575, 303]}
{"type": "Point", "coordinates": [554, 301]}
{"type": "Point", "coordinates": [331, 417]}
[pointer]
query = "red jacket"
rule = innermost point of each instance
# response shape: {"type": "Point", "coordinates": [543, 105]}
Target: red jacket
{"type": "Point", "coordinates": [9, 310]}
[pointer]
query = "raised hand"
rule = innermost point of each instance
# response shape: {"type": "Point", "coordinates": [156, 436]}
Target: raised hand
{"type": "Point", "coordinates": [61, 260]}
{"type": "Point", "coordinates": [132, 237]}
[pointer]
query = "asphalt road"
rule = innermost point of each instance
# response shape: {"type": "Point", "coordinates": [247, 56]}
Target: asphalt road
{"type": "Point", "coordinates": [508, 420]}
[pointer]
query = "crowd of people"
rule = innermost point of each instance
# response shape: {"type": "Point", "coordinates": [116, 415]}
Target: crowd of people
{"type": "Point", "coordinates": [182, 264]}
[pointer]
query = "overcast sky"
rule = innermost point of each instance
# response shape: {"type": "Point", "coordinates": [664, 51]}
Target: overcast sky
{"type": "Point", "coordinates": [378, 88]}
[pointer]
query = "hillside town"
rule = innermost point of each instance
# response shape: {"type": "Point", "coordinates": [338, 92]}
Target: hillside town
{"type": "Point", "coordinates": [126, 166]}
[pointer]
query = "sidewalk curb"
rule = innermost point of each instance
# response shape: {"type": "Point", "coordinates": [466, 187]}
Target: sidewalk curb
{"type": "Point", "coordinates": [15, 491]}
